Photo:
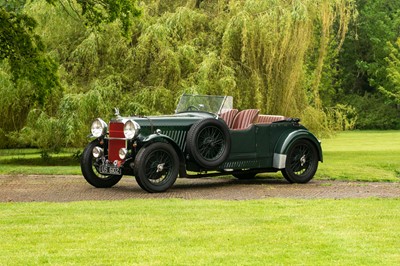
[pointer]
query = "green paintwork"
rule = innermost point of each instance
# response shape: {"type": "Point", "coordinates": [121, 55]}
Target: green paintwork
{"type": "Point", "coordinates": [288, 137]}
{"type": "Point", "coordinates": [142, 146]}
{"type": "Point", "coordinates": [175, 127]}
{"type": "Point", "coordinates": [253, 147]}
{"type": "Point", "coordinates": [261, 146]}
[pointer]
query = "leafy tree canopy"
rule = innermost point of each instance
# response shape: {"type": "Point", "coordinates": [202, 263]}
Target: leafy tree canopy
{"type": "Point", "coordinates": [303, 58]}
{"type": "Point", "coordinates": [23, 50]}
{"type": "Point", "coordinates": [25, 53]}
{"type": "Point", "coordinates": [97, 12]}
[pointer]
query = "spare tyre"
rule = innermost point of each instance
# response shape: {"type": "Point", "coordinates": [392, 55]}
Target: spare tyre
{"type": "Point", "coordinates": [209, 142]}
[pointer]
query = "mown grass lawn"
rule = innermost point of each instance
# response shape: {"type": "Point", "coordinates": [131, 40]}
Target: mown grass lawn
{"type": "Point", "coordinates": [31, 162]}
{"type": "Point", "coordinates": [202, 232]}
{"type": "Point", "coordinates": [362, 156]}
{"type": "Point", "coordinates": [212, 232]}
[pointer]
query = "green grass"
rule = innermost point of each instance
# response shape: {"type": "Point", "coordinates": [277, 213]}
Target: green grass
{"type": "Point", "coordinates": [31, 161]}
{"type": "Point", "coordinates": [354, 155]}
{"type": "Point", "coordinates": [213, 232]}
{"type": "Point", "coordinates": [362, 155]}
{"type": "Point", "coordinates": [202, 232]}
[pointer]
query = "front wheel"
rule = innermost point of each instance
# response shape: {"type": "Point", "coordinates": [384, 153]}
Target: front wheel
{"type": "Point", "coordinates": [156, 167]}
{"type": "Point", "coordinates": [301, 162]}
{"type": "Point", "coordinates": [89, 166]}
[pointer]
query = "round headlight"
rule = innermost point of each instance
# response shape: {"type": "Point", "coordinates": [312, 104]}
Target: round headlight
{"type": "Point", "coordinates": [99, 128]}
{"type": "Point", "coordinates": [131, 129]}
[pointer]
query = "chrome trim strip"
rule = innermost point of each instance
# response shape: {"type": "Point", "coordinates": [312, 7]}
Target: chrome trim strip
{"type": "Point", "coordinates": [116, 138]}
{"type": "Point", "coordinates": [279, 161]}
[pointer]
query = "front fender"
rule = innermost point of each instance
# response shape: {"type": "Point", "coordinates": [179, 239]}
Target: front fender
{"type": "Point", "coordinates": [286, 140]}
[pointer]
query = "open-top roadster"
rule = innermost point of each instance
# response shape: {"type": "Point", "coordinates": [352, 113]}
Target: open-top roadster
{"type": "Point", "coordinates": [205, 136]}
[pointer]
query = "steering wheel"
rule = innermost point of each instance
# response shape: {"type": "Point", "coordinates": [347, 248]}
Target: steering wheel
{"type": "Point", "coordinates": [192, 108]}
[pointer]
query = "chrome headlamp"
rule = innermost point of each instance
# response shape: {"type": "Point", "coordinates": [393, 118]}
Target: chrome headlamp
{"type": "Point", "coordinates": [97, 152]}
{"type": "Point", "coordinates": [131, 129]}
{"type": "Point", "coordinates": [122, 153]}
{"type": "Point", "coordinates": [99, 128]}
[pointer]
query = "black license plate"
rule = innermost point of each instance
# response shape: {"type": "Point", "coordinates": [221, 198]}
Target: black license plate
{"type": "Point", "coordinates": [110, 170]}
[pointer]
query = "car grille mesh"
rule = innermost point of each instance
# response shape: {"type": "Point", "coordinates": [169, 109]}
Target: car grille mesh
{"type": "Point", "coordinates": [179, 136]}
{"type": "Point", "coordinates": [240, 164]}
{"type": "Point", "coordinates": [116, 131]}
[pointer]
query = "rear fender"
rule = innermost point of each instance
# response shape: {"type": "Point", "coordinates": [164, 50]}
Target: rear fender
{"type": "Point", "coordinates": [164, 138]}
{"type": "Point", "coordinates": [287, 139]}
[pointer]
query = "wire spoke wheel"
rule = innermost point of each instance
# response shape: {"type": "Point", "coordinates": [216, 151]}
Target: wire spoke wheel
{"type": "Point", "coordinates": [90, 169]}
{"type": "Point", "coordinates": [301, 162]}
{"type": "Point", "coordinates": [156, 167]}
{"type": "Point", "coordinates": [208, 143]}
{"type": "Point", "coordinates": [211, 143]}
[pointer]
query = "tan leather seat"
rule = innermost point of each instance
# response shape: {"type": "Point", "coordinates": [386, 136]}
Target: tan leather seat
{"type": "Point", "coordinates": [229, 116]}
{"type": "Point", "coordinates": [245, 118]}
{"type": "Point", "coordinates": [268, 119]}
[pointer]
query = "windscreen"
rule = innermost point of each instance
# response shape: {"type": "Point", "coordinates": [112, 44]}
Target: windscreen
{"type": "Point", "coordinates": [204, 103]}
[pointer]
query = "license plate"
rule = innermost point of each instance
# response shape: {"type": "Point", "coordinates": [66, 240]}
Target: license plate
{"type": "Point", "coordinates": [110, 170]}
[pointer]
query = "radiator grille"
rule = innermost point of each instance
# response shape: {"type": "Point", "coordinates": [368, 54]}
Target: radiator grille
{"type": "Point", "coordinates": [116, 130]}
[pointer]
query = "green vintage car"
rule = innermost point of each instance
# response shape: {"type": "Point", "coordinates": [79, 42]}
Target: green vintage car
{"type": "Point", "coordinates": [205, 137]}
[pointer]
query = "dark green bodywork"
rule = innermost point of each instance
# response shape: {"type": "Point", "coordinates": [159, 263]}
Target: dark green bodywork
{"type": "Point", "coordinates": [253, 148]}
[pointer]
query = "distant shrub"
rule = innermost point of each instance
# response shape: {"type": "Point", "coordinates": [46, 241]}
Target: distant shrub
{"type": "Point", "coordinates": [342, 117]}
{"type": "Point", "coordinates": [374, 112]}
{"type": "Point", "coordinates": [326, 122]}
{"type": "Point", "coordinates": [3, 139]}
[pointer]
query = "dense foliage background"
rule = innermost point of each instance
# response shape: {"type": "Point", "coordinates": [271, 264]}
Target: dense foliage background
{"type": "Point", "coordinates": [333, 63]}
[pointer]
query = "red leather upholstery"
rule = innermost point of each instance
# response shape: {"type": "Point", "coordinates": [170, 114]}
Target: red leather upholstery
{"type": "Point", "coordinates": [229, 116]}
{"type": "Point", "coordinates": [267, 119]}
{"type": "Point", "coordinates": [245, 118]}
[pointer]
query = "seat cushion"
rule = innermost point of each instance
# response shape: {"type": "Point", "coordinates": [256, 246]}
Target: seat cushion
{"type": "Point", "coordinates": [267, 119]}
{"type": "Point", "coordinates": [229, 116]}
{"type": "Point", "coordinates": [245, 118]}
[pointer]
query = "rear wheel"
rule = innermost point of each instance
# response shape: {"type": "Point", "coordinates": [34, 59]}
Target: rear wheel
{"type": "Point", "coordinates": [89, 168]}
{"type": "Point", "coordinates": [301, 162]}
{"type": "Point", "coordinates": [156, 167]}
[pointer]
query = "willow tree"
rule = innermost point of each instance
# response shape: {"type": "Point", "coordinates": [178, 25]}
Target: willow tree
{"type": "Point", "coordinates": [278, 50]}
{"type": "Point", "coordinates": [29, 70]}
{"type": "Point", "coordinates": [272, 54]}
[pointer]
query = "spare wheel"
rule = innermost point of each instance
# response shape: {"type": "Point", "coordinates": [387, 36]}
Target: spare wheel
{"type": "Point", "coordinates": [209, 142]}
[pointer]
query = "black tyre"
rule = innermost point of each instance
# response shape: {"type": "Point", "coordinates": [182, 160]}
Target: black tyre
{"type": "Point", "coordinates": [209, 143]}
{"type": "Point", "coordinates": [89, 168]}
{"type": "Point", "coordinates": [301, 162]}
{"type": "Point", "coordinates": [156, 167]}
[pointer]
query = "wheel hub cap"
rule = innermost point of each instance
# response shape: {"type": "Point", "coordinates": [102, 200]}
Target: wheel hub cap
{"type": "Point", "coordinates": [160, 167]}
{"type": "Point", "coordinates": [303, 160]}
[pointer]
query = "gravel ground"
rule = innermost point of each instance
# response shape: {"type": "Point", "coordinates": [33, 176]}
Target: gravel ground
{"type": "Point", "coordinates": [37, 188]}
